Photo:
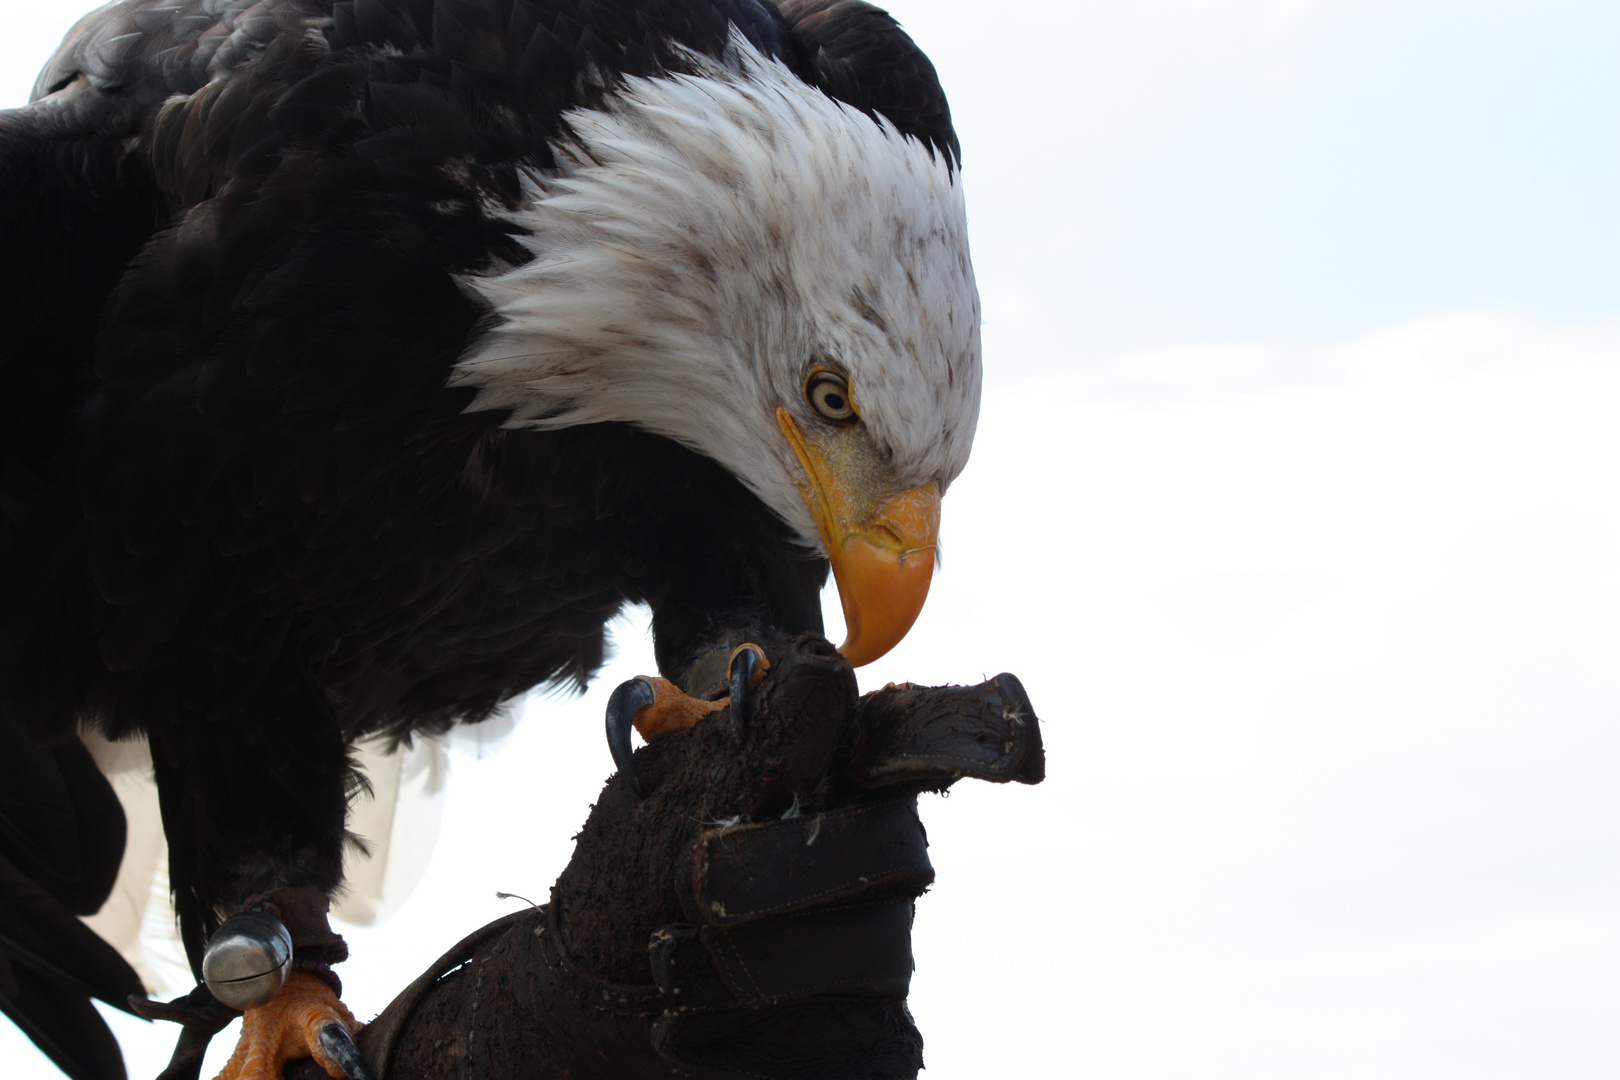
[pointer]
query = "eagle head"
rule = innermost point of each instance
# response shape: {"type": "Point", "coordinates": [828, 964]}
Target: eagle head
{"type": "Point", "coordinates": [731, 259]}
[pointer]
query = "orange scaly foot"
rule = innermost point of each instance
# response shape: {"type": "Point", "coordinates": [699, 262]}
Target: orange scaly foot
{"type": "Point", "coordinates": [291, 1026]}
{"type": "Point", "coordinates": [669, 709]}
{"type": "Point", "coordinates": [656, 707]}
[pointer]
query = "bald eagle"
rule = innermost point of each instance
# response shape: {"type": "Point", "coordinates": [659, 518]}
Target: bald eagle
{"type": "Point", "coordinates": [363, 358]}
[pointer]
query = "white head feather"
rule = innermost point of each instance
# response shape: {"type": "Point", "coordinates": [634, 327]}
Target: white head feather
{"type": "Point", "coordinates": [711, 237]}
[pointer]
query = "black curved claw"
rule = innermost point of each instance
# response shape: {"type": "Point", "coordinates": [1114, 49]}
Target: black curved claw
{"type": "Point", "coordinates": [339, 1046]}
{"type": "Point", "coordinates": [744, 662]}
{"type": "Point", "coordinates": [628, 698]}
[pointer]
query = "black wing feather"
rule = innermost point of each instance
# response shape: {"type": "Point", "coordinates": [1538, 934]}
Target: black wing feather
{"type": "Point", "coordinates": [62, 836]}
{"type": "Point", "coordinates": [62, 1023]}
{"type": "Point", "coordinates": [61, 825]}
{"type": "Point", "coordinates": [39, 933]}
{"type": "Point", "coordinates": [857, 53]}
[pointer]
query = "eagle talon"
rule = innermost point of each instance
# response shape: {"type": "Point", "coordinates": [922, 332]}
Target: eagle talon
{"type": "Point", "coordinates": [305, 1020]}
{"type": "Point", "coordinates": [628, 699]}
{"type": "Point", "coordinates": [655, 707]}
{"type": "Point", "coordinates": [339, 1046]}
{"type": "Point", "coordinates": [745, 668]}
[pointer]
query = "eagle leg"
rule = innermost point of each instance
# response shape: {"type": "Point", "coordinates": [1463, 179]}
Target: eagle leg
{"type": "Point", "coordinates": [305, 1019]}
{"type": "Point", "coordinates": [656, 707]}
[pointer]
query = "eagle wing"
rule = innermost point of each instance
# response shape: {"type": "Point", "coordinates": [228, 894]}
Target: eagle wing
{"type": "Point", "coordinates": [61, 840]}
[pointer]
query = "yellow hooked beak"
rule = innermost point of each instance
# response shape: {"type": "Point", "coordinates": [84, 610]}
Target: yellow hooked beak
{"type": "Point", "coordinates": [882, 555]}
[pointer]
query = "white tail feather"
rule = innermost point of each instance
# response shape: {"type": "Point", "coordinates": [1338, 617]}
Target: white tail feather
{"type": "Point", "coordinates": [399, 824]}
{"type": "Point", "coordinates": [138, 917]}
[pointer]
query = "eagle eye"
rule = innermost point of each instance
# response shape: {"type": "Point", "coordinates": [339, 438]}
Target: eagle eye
{"type": "Point", "coordinates": [828, 391]}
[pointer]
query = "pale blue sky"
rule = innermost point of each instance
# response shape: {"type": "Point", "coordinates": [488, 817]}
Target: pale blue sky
{"type": "Point", "coordinates": [1192, 172]}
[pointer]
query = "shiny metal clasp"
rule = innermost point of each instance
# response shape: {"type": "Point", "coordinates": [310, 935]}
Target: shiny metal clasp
{"type": "Point", "coordinates": [247, 960]}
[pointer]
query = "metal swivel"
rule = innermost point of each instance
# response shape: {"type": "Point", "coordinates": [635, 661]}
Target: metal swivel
{"type": "Point", "coordinates": [247, 960]}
